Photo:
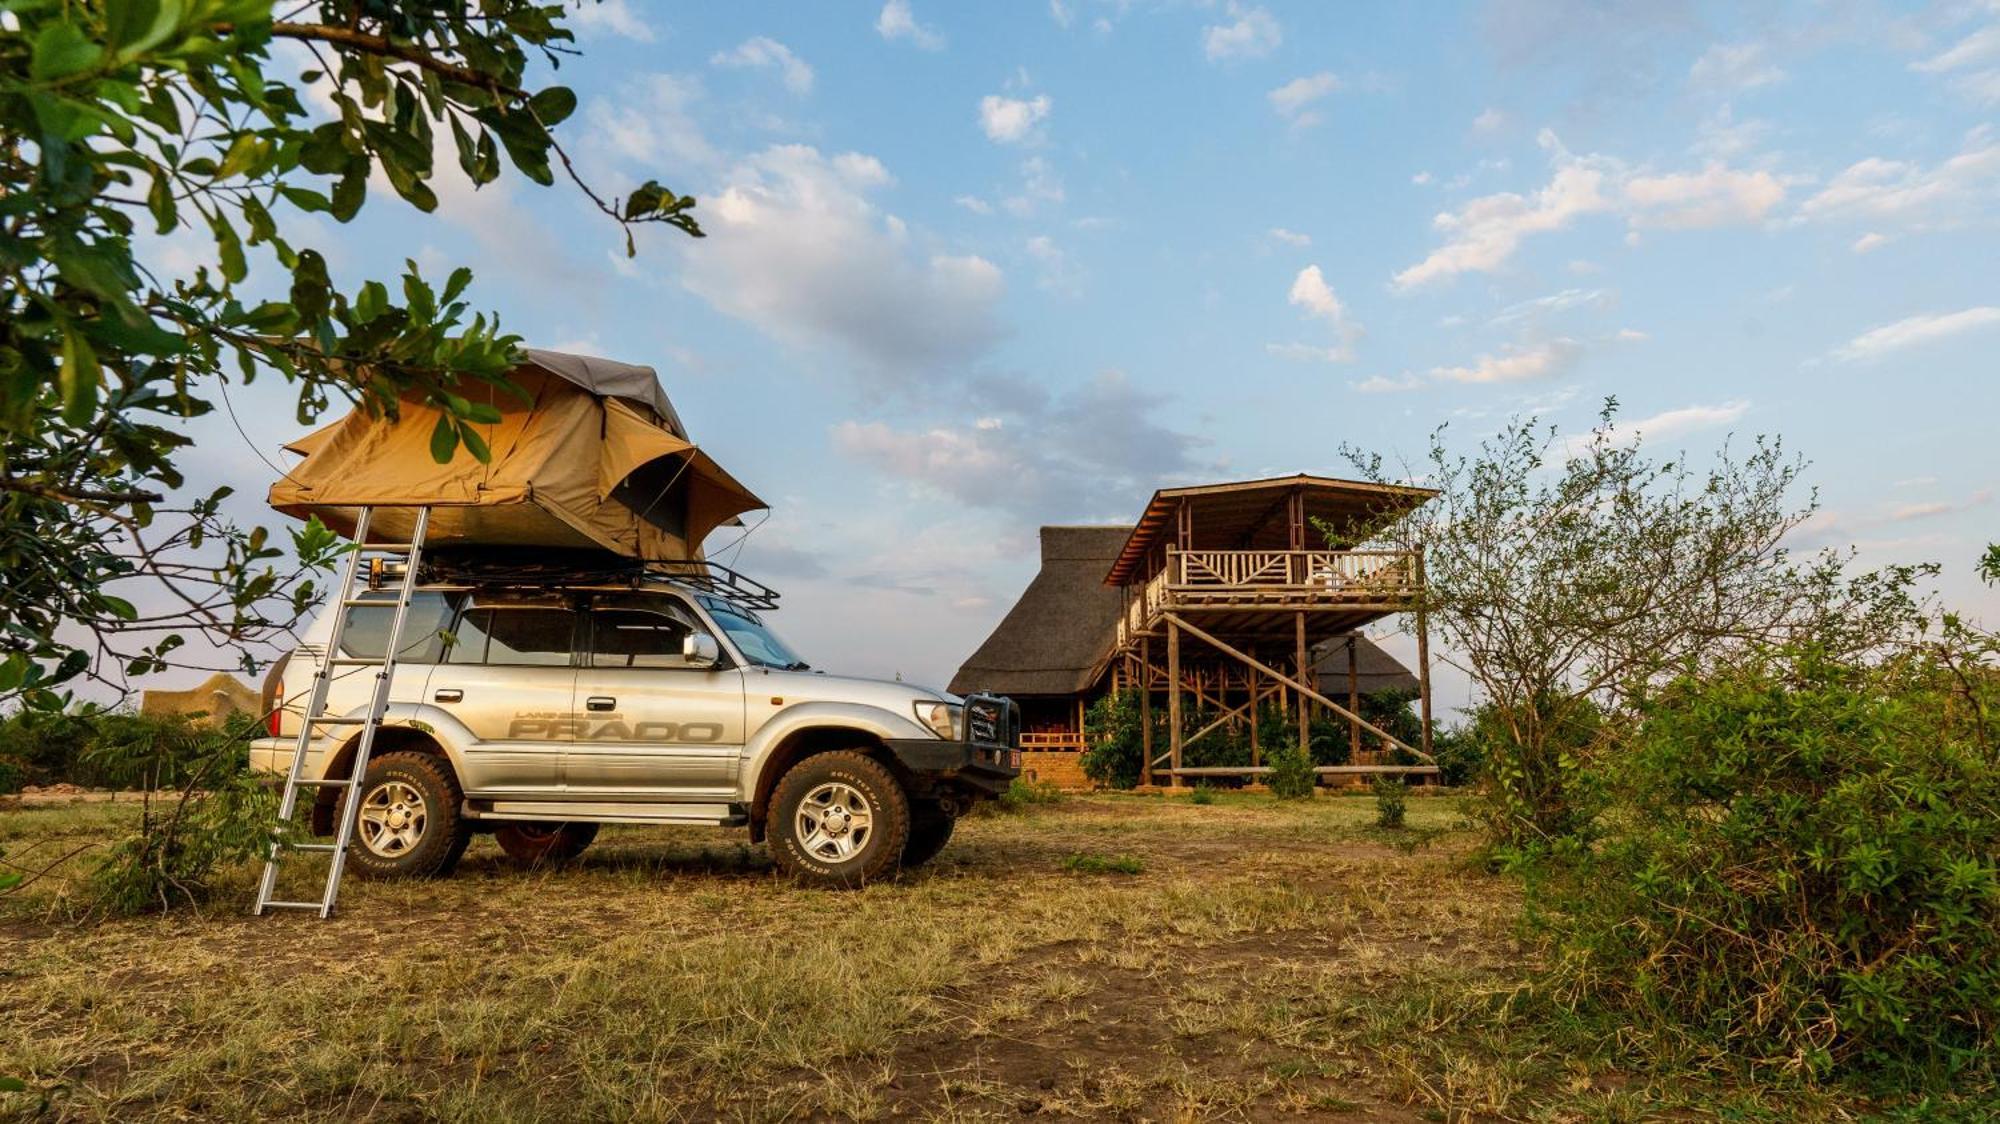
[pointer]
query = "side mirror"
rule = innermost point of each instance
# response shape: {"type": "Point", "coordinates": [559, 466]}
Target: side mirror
{"type": "Point", "coordinates": [699, 649]}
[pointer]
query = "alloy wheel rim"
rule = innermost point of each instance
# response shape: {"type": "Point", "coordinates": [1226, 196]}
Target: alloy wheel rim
{"type": "Point", "coordinates": [393, 817]}
{"type": "Point", "coordinates": [834, 822]}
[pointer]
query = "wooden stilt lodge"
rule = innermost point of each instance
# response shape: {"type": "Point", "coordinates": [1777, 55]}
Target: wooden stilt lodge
{"type": "Point", "coordinates": [1226, 598]}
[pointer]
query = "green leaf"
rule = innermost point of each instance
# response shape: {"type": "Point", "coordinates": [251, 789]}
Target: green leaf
{"type": "Point", "coordinates": [475, 444]}
{"type": "Point", "coordinates": [444, 439]}
{"type": "Point", "coordinates": [305, 199]}
{"type": "Point", "coordinates": [160, 200]}
{"type": "Point", "coordinates": [61, 50]}
{"type": "Point", "coordinates": [553, 105]}
{"type": "Point", "coordinates": [79, 379]}
{"type": "Point", "coordinates": [118, 607]}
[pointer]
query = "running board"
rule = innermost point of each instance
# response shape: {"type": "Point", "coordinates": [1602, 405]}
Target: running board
{"type": "Point", "coordinates": [563, 811]}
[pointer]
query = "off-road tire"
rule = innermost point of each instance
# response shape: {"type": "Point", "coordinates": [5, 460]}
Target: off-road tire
{"type": "Point", "coordinates": [851, 776]}
{"type": "Point", "coordinates": [443, 834]}
{"type": "Point", "coordinates": [930, 830]}
{"type": "Point", "coordinates": [531, 843]}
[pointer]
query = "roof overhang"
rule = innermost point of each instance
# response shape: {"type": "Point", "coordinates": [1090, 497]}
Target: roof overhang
{"type": "Point", "coordinates": [1248, 514]}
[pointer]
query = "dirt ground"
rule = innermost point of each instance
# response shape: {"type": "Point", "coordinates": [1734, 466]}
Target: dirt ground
{"type": "Point", "coordinates": [1267, 960]}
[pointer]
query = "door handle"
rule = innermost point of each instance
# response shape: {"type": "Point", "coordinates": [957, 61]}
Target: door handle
{"type": "Point", "coordinates": [448, 694]}
{"type": "Point", "coordinates": [601, 702]}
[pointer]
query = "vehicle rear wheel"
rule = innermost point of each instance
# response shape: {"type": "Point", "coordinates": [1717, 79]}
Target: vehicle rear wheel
{"type": "Point", "coordinates": [409, 824]}
{"type": "Point", "coordinates": [838, 820]}
{"type": "Point", "coordinates": [530, 842]}
{"type": "Point", "coordinates": [930, 830]}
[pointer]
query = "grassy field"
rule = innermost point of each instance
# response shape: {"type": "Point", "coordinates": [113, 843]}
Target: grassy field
{"type": "Point", "coordinates": [1107, 956]}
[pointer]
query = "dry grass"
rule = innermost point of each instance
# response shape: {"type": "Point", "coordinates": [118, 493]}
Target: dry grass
{"type": "Point", "coordinates": [1267, 959]}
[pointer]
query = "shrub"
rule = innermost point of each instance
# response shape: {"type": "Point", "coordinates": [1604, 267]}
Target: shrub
{"type": "Point", "coordinates": [13, 774]}
{"type": "Point", "coordinates": [1391, 796]}
{"type": "Point", "coordinates": [1291, 776]}
{"type": "Point", "coordinates": [1202, 794]}
{"type": "Point", "coordinates": [1114, 741]}
{"type": "Point", "coordinates": [1103, 864]}
{"type": "Point", "coordinates": [1023, 792]}
{"type": "Point", "coordinates": [215, 815]}
{"type": "Point", "coordinates": [1802, 867]}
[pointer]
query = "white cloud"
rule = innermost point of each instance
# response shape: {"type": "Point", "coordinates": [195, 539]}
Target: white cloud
{"type": "Point", "coordinates": [652, 122]}
{"type": "Point", "coordinates": [1042, 456]}
{"type": "Point", "coordinates": [1870, 242]}
{"type": "Point", "coordinates": [1039, 184]}
{"type": "Point", "coordinates": [1385, 384]}
{"type": "Point", "coordinates": [1253, 34]}
{"type": "Point", "coordinates": [1490, 121]}
{"type": "Point", "coordinates": [1714, 196]}
{"type": "Point", "coordinates": [1727, 67]}
{"type": "Point", "coordinates": [764, 52]}
{"type": "Point", "coordinates": [1062, 13]}
{"type": "Point", "coordinates": [898, 22]}
{"type": "Point", "coordinates": [1686, 419]}
{"type": "Point", "coordinates": [1012, 120]}
{"type": "Point", "coordinates": [1483, 235]}
{"type": "Point", "coordinates": [1312, 295]}
{"type": "Point", "coordinates": [1563, 301]}
{"type": "Point", "coordinates": [974, 204]}
{"type": "Point", "coordinates": [1934, 508]}
{"type": "Point", "coordinates": [1981, 46]}
{"type": "Point", "coordinates": [1058, 274]}
{"type": "Point", "coordinates": [1290, 237]}
{"type": "Point", "coordinates": [799, 251]}
{"type": "Point", "coordinates": [1912, 331]}
{"type": "Point", "coordinates": [1293, 99]}
{"type": "Point", "coordinates": [1721, 137]}
{"type": "Point", "coordinates": [1421, 178]}
{"type": "Point", "coordinates": [1902, 192]}
{"type": "Point", "coordinates": [611, 17]}
{"type": "Point", "coordinates": [1516, 364]}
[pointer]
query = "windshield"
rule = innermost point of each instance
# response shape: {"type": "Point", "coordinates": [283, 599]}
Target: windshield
{"type": "Point", "coordinates": [758, 644]}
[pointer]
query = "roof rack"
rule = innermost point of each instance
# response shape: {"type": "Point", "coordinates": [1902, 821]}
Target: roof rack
{"type": "Point", "coordinates": [490, 567]}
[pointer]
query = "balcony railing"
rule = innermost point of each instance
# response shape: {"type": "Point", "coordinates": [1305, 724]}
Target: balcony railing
{"type": "Point", "coordinates": [1290, 579]}
{"type": "Point", "coordinates": [1052, 741]}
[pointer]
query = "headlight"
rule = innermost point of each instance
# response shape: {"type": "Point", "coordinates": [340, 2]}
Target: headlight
{"type": "Point", "coordinates": [946, 720]}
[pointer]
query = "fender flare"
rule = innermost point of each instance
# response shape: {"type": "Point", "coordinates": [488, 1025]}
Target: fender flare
{"type": "Point", "coordinates": [871, 722]}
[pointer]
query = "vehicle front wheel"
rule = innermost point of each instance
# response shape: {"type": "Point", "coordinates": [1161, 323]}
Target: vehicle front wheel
{"type": "Point", "coordinates": [930, 830]}
{"type": "Point", "coordinates": [530, 842]}
{"type": "Point", "coordinates": [838, 820]}
{"type": "Point", "coordinates": [409, 824]}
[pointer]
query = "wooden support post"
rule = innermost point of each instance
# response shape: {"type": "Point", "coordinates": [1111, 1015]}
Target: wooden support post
{"type": "Point", "coordinates": [1353, 702]}
{"type": "Point", "coordinates": [1423, 653]}
{"type": "Point", "coordinates": [1305, 676]}
{"type": "Point", "coordinates": [1145, 711]}
{"type": "Point", "coordinates": [1256, 704]}
{"type": "Point", "coordinates": [1174, 698]}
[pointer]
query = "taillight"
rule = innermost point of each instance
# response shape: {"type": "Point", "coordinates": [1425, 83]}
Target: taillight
{"type": "Point", "coordinates": [275, 721]}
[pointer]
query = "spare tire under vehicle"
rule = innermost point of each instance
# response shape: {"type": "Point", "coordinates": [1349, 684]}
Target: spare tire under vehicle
{"type": "Point", "coordinates": [530, 842]}
{"type": "Point", "coordinates": [838, 820]}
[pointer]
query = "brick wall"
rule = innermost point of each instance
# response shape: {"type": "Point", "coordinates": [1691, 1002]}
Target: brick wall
{"type": "Point", "coordinates": [1064, 769]}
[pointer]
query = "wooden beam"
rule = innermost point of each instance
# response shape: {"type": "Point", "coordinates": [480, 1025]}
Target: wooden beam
{"type": "Point", "coordinates": [1305, 674]}
{"type": "Point", "coordinates": [1174, 698]}
{"type": "Point", "coordinates": [1256, 744]}
{"type": "Point", "coordinates": [1353, 700]}
{"type": "Point", "coordinates": [1301, 688]}
{"type": "Point", "coordinates": [1423, 654]}
{"type": "Point", "coordinates": [1146, 712]}
{"type": "Point", "coordinates": [1322, 770]}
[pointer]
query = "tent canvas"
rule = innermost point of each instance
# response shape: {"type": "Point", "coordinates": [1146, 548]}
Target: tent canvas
{"type": "Point", "coordinates": [589, 455]}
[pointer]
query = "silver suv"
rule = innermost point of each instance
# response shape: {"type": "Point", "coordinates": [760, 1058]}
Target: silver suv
{"type": "Point", "coordinates": [537, 713]}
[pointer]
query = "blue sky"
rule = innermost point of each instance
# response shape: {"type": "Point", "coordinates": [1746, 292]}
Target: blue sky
{"type": "Point", "coordinates": [976, 268]}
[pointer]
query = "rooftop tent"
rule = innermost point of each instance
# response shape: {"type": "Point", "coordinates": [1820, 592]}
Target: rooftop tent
{"type": "Point", "coordinates": [593, 456]}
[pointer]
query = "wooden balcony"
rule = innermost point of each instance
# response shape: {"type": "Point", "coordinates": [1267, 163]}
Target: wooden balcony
{"type": "Point", "coordinates": [1230, 586]}
{"type": "Point", "coordinates": [1052, 741]}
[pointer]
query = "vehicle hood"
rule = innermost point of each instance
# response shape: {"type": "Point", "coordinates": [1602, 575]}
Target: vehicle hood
{"type": "Point", "coordinates": [819, 686]}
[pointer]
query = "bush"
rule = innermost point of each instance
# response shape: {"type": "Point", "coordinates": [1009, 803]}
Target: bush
{"type": "Point", "coordinates": [1802, 867]}
{"type": "Point", "coordinates": [216, 814]}
{"type": "Point", "coordinates": [1114, 742]}
{"type": "Point", "coordinates": [13, 774]}
{"type": "Point", "coordinates": [66, 747]}
{"type": "Point", "coordinates": [1023, 792]}
{"type": "Point", "coordinates": [1391, 796]}
{"type": "Point", "coordinates": [1102, 864]}
{"type": "Point", "coordinates": [1291, 776]}
{"type": "Point", "coordinates": [1202, 794]}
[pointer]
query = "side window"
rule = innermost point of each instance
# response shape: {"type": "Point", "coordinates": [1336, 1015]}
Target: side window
{"type": "Point", "coordinates": [516, 637]}
{"type": "Point", "coordinates": [365, 632]}
{"type": "Point", "coordinates": [638, 638]}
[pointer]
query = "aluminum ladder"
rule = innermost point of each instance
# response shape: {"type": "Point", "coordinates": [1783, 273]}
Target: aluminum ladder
{"type": "Point", "coordinates": [364, 562]}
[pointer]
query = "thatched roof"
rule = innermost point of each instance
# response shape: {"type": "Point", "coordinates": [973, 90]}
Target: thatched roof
{"type": "Point", "coordinates": [1057, 637]}
{"type": "Point", "coordinates": [1377, 670]}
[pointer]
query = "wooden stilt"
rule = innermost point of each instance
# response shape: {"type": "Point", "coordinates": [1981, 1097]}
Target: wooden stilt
{"type": "Point", "coordinates": [1423, 653]}
{"type": "Point", "coordinates": [1174, 697]}
{"type": "Point", "coordinates": [1305, 676]}
{"type": "Point", "coordinates": [1353, 702]}
{"type": "Point", "coordinates": [1256, 704]}
{"type": "Point", "coordinates": [1145, 711]}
